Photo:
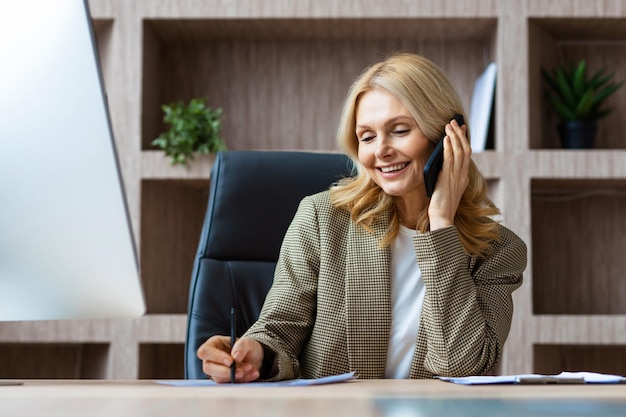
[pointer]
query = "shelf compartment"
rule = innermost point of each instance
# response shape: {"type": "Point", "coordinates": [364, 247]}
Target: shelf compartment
{"type": "Point", "coordinates": [578, 246]}
{"type": "Point", "coordinates": [53, 360]}
{"type": "Point", "coordinates": [281, 82]}
{"type": "Point", "coordinates": [553, 359]}
{"type": "Point", "coordinates": [557, 41]}
{"type": "Point", "coordinates": [161, 361]}
{"type": "Point", "coordinates": [103, 29]}
{"type": "Point", "coordinates": [495, 194]}
{"type": "Point", "coordinates": [172, 214]}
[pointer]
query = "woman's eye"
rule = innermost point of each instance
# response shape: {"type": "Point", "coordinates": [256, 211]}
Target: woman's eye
{"type": "Point", "coordinates": [366, 136]}
{"type": "Point", "coordinates": [401, 131]}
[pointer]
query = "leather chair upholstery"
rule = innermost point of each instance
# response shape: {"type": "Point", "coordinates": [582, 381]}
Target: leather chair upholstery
{"type": "Point", "coordinates": [252, 200]}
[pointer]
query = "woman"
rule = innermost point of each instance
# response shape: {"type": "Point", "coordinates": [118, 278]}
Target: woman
{"type": "Point", "coordinates": [374, 276]}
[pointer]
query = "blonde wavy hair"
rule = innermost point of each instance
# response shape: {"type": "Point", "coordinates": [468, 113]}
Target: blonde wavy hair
{"type": "Point", "coordinates": [432, 101]}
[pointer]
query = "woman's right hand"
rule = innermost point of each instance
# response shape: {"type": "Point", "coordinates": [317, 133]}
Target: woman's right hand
{"type": "Point", "coordinates": [217, 357]}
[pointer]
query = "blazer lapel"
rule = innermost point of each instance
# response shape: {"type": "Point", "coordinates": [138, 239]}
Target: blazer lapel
{"type": "Point", "coordinates": [368, 300]}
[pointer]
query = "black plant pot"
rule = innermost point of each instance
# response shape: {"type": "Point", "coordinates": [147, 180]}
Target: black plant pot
{"type": "Point", "coordinates": [577, 134]}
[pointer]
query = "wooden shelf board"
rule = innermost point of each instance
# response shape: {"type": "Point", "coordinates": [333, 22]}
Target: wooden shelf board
{"type": "Point", "coordinates": [294, 29]}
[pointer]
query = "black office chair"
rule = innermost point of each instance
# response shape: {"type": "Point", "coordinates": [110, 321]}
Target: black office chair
{"type": "Point", "coordinates": [253, 198]}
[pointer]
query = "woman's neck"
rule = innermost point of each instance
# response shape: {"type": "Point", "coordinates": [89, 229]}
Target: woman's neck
{"type": "Point", "coordinates": [409, 211]}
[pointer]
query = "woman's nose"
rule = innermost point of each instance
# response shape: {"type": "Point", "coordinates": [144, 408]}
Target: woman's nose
{"type": "Point", "coordinates": [383, 147]}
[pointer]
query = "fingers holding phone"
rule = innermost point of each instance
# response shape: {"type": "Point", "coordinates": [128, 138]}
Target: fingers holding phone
{"type": "Point", "coordinates": [453, 177]}
{"type": "Point", "coordinates": [458, 150]}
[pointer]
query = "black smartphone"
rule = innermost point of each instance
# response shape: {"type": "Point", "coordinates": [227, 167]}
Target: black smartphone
{"type": "Point", "coordinates": [435, 162]}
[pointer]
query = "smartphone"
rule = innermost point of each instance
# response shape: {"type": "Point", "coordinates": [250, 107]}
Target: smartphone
{"type": "Point", "coordinates": [435, 162]}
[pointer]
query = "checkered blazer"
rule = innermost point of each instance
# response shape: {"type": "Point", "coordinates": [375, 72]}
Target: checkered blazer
{"type": "Point", "coordinates": [329, 308]}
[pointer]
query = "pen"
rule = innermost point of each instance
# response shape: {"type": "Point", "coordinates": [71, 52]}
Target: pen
{"type": "Point", "coordinates": [233, 332]}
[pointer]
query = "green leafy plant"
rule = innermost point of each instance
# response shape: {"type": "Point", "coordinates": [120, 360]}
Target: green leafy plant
{"type": "Point", "coordinates": [193, 128]}
{"type": "Point", "coordinates": [576, 97]}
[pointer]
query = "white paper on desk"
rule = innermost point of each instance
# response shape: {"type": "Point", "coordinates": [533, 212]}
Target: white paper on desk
{"type": "Point", "coordinates": [589, 378]}
{"type": "Point", "coordinates": [288, 383]}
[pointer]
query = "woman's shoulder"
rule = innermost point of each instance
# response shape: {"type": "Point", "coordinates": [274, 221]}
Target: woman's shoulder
{"type": "Point", "coordinates": [508, 257]}
{"type": "Point", "coordinates": [509, 236]}
{"type": "Point", "coordinates": [321, 201]}
{"type": "Point", "coordinates": [512, 243]}
{"type": "Point", "coordinates": [320, 205]}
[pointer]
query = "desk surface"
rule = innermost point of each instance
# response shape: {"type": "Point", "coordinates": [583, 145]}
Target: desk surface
{"type": "Point", "coordinates": [357, 398]}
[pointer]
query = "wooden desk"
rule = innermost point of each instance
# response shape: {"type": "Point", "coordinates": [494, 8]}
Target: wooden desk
{"type": "Point", "coordinates": [358, 398]}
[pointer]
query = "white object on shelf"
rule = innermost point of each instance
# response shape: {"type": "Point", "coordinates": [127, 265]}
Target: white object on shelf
{"type": "Point", "coordinates": [481, 107]}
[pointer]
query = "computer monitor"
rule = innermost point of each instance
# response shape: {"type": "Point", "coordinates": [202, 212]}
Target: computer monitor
{"type": "Point", "coordinates": [66, 245]}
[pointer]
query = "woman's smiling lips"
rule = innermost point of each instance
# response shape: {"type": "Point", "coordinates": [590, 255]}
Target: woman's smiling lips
{"type": "Point", "coordinates": [392, 170]}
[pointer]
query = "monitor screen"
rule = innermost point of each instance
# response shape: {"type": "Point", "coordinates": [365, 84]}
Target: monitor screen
{"type": "Point", "coordinates": [66, 245]}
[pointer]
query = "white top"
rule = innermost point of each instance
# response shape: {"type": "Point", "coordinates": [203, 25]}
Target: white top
{"type": "Point", "coordinates": [407, 297]}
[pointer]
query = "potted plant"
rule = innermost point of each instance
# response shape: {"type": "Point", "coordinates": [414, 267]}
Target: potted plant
{"type": "Point", "coordinates": [194, 127]}
{"type": "Point", "coordinates": [577, 101]}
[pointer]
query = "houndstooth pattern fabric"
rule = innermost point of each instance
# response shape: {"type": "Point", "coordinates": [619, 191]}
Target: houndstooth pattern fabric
{"type": "Point", "coordinates": [328, 311]}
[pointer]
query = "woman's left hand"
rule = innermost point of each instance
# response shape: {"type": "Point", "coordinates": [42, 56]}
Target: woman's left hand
{"type": "Point", "coordinates": [453, 178]}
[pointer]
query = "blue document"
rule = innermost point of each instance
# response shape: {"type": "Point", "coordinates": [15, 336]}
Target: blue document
{"type": "Point", "coordinates": [288, 383]}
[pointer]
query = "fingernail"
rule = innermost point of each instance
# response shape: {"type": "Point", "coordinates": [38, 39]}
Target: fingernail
{"type": "Point", "coordinates": [227, 362]}
{"type": "Point", "coordinates": [237, 355]}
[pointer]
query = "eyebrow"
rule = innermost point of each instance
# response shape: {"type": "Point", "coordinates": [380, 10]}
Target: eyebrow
{"type": "Point", "coordinates": [391, 121]}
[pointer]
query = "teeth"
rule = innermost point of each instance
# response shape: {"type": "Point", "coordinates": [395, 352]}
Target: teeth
{"type": "Point", "coordinates": [393, 168]}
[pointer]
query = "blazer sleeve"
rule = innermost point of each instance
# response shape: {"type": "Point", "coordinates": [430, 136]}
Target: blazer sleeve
{"type": "Point", "coordinates": [468, 306]}
{"type": "Point", "coordinates": [288, 314]}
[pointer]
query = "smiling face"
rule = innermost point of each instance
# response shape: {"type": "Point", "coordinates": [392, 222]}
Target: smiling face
{"type": "Point", "coordinates": [391, 147]}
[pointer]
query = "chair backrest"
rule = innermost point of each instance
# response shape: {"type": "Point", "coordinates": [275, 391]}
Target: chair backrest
{"type": "Point", "coordinates": [252, 200]}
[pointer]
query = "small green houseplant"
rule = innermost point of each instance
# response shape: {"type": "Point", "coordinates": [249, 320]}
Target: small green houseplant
{"type": "Point", "coordinates": [577, 100]}
{"type": "Point", "coordinates": [194, 127]}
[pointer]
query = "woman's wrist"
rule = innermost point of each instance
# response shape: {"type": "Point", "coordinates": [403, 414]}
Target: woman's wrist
{"type": "Point", "coordinates": [440, 223]}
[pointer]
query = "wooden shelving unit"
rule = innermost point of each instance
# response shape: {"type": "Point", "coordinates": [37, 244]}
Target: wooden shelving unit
{"type": "Point", "coordinates": [279, 71]}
